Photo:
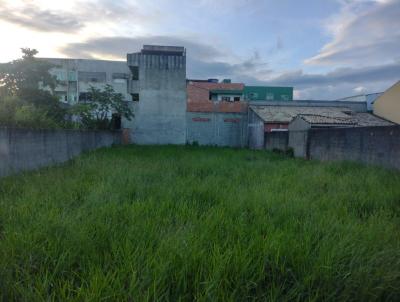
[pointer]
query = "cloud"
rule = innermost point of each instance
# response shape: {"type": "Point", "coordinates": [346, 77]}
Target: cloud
{"type": "Point", "coordinates": [387, 72]}
{"type": "Point", "coordinates": [364, 33]}
{"type": "Point", "coordinates": [202, 60]}
{"type": "Point", "coordinates": [337, 91]}
{"type": "Point", "coordinates": [340, 82]}
{"type": "Point", "coordinates": [206, 61]}
{"type": "Point", "coordinates": [118, 47]}
{"type": "Point", "coordinates": [33, 17]}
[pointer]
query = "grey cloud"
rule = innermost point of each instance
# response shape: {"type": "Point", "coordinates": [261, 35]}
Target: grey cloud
{"type": "Point", "coordinates": [32, 17]}
{"type": "Point", "coordinates": [341, 90]}
{"type": "Point", "coordinates": [373, 36]}
{"type": "Point", "coordinates": [116, 11]}
{"type": "Point", "coordinates": [204, 61]}
{"type": "Point", "coordinates": [118, 47]}
{"type": "Point", "coordinates": [341, 82]}
{"type": "Point", "coordinates": [387, 72]}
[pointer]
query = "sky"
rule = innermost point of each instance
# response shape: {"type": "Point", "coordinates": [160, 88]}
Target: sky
{"type": "Point", "coordinates": [325, 49]}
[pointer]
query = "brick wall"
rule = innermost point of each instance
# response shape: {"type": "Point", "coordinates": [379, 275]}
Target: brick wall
{"type": "Point", "coordinates": [210, 106]}
{"type": "Point", "coordinates": [198, 94]}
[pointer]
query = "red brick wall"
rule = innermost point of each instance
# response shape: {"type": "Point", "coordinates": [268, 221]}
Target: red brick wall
{"type": "Point", "coordinates": [198, 98]}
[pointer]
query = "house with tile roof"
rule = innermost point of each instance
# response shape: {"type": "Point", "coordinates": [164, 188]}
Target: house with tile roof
{"type": "Point", "coordinates": [267, 122]}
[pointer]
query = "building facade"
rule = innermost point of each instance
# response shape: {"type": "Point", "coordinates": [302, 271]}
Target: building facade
{"type": "Point", "coordinates": [158, 88]}
{"type": "Point", "coordinates": [268, 93]}
{"type": "Point", "coordinates": [216, 113]}
{"type": "Point", "coordinates": [387, 105]}
{"type": "Point", "coordinates": [75, 76]}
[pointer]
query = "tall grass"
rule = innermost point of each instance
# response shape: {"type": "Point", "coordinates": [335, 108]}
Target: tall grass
{"type": "Point", "coordinates": [184, 223]}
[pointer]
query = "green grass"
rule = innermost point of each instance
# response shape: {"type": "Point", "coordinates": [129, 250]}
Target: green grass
{"type": "Point", "coordinates": [184, 223]}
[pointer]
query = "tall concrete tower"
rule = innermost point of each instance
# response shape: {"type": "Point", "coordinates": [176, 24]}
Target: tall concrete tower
{"type": "Point", "coordinates": [158, 89]}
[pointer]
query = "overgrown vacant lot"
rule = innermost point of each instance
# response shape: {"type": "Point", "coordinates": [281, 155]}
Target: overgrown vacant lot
{"type": "Point", "coordinates": [185, 223]}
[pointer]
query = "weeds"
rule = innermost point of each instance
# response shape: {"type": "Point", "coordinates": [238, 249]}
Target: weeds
{"type": "Point", "coordinates": [192, 223]}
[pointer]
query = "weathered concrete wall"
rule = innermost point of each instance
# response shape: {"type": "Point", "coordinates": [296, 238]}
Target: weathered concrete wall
{"type": "Point", "coordinates": [276, 140]}
{"type": "Point", "coordinates": [160, 113]}
{"type": "Point", "coordinates": [370, 145]}
{"type": "Point", "coordinates": [255, 131]}
{"type": "Point", "coordinates": [298, 142]}
{"type": "Point", "coordinates": [219, 129]}
{"type": "Point", "coordinates": [28, 149]}
{"type": "Point", "coordinates": [298, 131]}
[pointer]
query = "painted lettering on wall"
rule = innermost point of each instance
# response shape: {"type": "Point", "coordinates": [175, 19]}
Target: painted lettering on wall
{"type": "Point", "coordinates": [200, 119]}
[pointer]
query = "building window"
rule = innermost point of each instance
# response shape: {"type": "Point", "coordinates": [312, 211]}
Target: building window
{"type": "Point", "coordinates": [226, 98]}
{"type": "Point", "coordinates": [61, 75]}
{"type": "Point", "coordinates": [236, 99]}
{"type": "Point", "coordinates": [86, 76]}
{"type": "Point", "coordinates": [253, 95]}
{"type": "Point", "coordinates": [135, 97]}
{"type": "Point", "coordinates": [270, 96]}
{"type": "Point", "coordinates": [134, 72]}
{"type": "Point", "coordinates": [285, 97]}
{"type": "Point", "coordinates": [72, 76]}
{"type": "Point", "coordinates": [85, 97]}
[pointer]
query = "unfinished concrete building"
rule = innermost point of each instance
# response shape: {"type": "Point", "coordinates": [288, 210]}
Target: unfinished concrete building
{"type": "Point", "coordinates": [158, 89]}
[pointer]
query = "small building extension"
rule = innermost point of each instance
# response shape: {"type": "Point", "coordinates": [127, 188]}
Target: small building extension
{"type": "Point", "coordinates": [387, 105]}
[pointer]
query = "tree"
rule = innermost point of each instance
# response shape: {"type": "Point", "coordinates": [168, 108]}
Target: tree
{"type": "Point", "coordinates": [26, 87]}
{"type": "Point", "coordinates": [96, 112]}
{"type": "Point", "coordinates": [22, 76]}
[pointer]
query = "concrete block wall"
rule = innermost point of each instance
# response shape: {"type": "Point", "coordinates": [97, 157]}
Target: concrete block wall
{"type": "Point", "coordinates": [298, 142]}
{"type": "Point", "coordinates": [217, 129]}
{"type": "Point", "coordinates": [370, 145]}
{"type": "Point", "coordinates": [28, 149]}
{"type": "Point", "coordinates": [276, 140]}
